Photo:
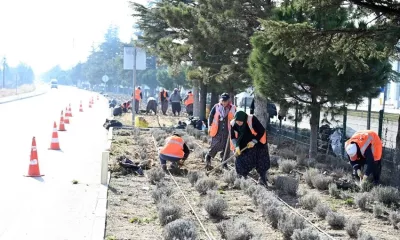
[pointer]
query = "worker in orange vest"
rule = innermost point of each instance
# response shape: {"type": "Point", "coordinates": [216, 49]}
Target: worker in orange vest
{"type": "Point", "coordinates": [218, 128]}
{"type": "Point", "coordinates": [164, 100]}
{"type": "Point", "coordinates": [189, 99]}
{"type": "Point", "coordinates": [137, 95]}
{"type": "Point", "coordinates": [365, 148]}
{"type": "Point", "coordinates": [247, 131]}
{"type": "Point", "coordinates": [174, 150]}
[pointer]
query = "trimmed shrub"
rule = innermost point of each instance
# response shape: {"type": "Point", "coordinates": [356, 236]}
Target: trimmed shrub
{"type": "Point", "coordinates": [215, 205]}
{"type": "Point", "coordinates": [229, 177]}
{"type": "Point", "coordinates": [333, 190]}
{"type": "Point", "coordinates": [335, 220]}
{"type": "Point", "coordinates": [352, 227]}
{"type": "Point", "coordinates": [236, 229]}
{"type": "Point", "coordinates": [362, 200]}
{"type": "Point", "coordinates": [274, 160]}
{"type": "Point", "coordinates": [377, 210]}
{"type": "Point", "coordinates": [155, 175]}
{"type": "Point", "coordinates": [309, 175]}
{"type": "Point", "coordinates": [161, 191]}
{"type": "Point", "coordinates": [386, 195]}
{"type": "Point", "coordinates": [394, 218]}
{"type": "Point", "coordinates": [168, 211]}
{"type": "Point", "coordinates": [322, 210]}
{"type": "Point", "coordinates": [287, 185]}
{"type": "Point", "coordinates": [305, 234]}
{"type": "Point", "coordinates": [309, 201]}
{"type": "Point", "coordinates": [288, 223]}
{"type": "Point", "coordinates": [272, 212]}
{"type": "Point", "coordinates": [194, 176]}
{"type": "Point", "coordinates": [180, 229]}
{"type": "Point", "coordinates": [205, 184]}
{"type": "Point", "coordinates": [286, 166]}
{"type": "Point", "coordinates": [364, 236]}
{"type": "Point", "coordinates": [321, 182]}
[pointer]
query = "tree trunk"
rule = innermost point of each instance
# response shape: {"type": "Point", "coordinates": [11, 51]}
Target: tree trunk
{"type": "Point", "coordinates": [214, 97]}
{"type": "Point", "coordinates": [261, 109]}
{"type": "Point", "coordinates": [397, 156]}
{"type": "Point", "coordinates": [203, 100]}
{"type": "Point", "coordinates": [196, 99]}
{"type": "Point", "coordinates": [314, 126]}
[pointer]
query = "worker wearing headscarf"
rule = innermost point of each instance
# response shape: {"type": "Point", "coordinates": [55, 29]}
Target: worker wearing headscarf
{"type": "Point", "coordinates": [248, 132]}
{"type": "Point", "coordinates": [365, 148]}
{"type": "Point", "coordinates": [164, 100]}
{"type": "Point", "coordinates": [176, 100]}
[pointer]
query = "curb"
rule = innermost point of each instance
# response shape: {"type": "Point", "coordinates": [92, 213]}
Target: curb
{"type": "Point", "coordinates": [19, 97]}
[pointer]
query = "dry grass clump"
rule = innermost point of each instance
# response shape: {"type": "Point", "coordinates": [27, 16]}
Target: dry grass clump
{"type": "Point", "coordinates": [321, 182]}
{"type": "Point", "coordinates": [309, 201]}
{"type": "Point", "coordinates": [336, 220]}
{"type": "Point", "coordinates": [236, 229]}
{"type": "Point", "coordinates": [352, 227]}
{"type": "Point", "coordinates": [168, 211]}
{"type": "Point", "coordinates": [333, 190]}
{"type": "Point", "coordinates": [361, 200]}
{"type": "Point", "coordinates": [160, 192]}
{"type": "Point", "coordinates": [180, 229]}
{"type": "Point", "coordinates": [377, 210]}
{"type": "Point", "coordinates": [155, 175]}
{"type": "Point", "coordinates": [305, 234]}
{"type": "Point", "coordinates": [286, 166]}
{"type": "Point", "coordinates": [229, 177]}
{"type": "Point", "coordinates": [288, 223]}
{"type": "Point", "coordinates": [309, 176]}
{"type": "Point", "coordinates": [386, 195]}
{"type": "Point", "coordinates": [394, 218]}
{"type": "Point", "coordinates": [287, 185]}
{"type": "Point", "coordinates": [322, 210]}
{"type": "Point", "coordinates": [205, 184]}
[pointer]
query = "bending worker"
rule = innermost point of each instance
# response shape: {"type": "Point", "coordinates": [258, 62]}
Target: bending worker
{"type": "Point", "coordinates": [151, 105]}
{"type": "Point", "coordinates": [248, 132]}
{"type": "Point", "coordinates": [189, 99]}
{"type": "Point", "coordinates": [219, 126]}
{"type": "Point", "coordinates": [138, 96]}
{"type": "Point", "coordinates": [174, 150]}
{"type": "Point", "coordinates": [365, 148]}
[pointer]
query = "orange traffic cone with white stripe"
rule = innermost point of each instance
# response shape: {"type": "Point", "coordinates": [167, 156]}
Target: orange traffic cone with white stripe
{"type": "Point", "coordinates": [55, 145]}
{"type": "Point", "coordinates": [34, 170]}
{"type": "Point", "coordinates": [80, 107]}
{"type": "Point", "coordinates": [61, 127]}
{"type": "Point", "coordinates": [90, 103]}
{"type": "Point", "coordinates": [66, 119]}
{"type": "Point", "coordinates": [69, 111]}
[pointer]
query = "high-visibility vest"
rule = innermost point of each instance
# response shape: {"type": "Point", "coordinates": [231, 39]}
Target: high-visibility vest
{"type": "Point", "coordinates": [365, 138]}
{"type": "Point", "coordinates": [263, 139]}
{"type": "Point", "coordinates": [137, 94]}
{"type": "Point", "coordinates": [214, 125]}
{"type": "Point", "coordinates": [163, 93]}
{"type": "Point", "coordinates": [190, 99]}
{"type": "Point", "coordinates": [173, 147]}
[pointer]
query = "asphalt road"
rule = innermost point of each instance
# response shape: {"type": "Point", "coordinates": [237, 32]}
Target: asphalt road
{"type": "Point", "coordinates": [51, 207]}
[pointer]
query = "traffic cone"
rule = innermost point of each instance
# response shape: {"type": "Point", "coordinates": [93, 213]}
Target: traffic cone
{"type": "Point", "coordinates": [61, 126]}
{"type": "Point", "coordinates": [33, 170]}
{"type": "Point", "coordinates": [80, 107]}
{"type": "Point", "coordinates": [69, 111]}
{"type": "Point", "coordinates": [66, 119]}
{"type": "Point", "coordinates": [55, 145]}
{"type": "Point", "coordinates": [90, 103]}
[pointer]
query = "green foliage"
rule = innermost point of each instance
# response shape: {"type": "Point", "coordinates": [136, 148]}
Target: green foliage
{"type": "Point", "coordinates": [21, 74]}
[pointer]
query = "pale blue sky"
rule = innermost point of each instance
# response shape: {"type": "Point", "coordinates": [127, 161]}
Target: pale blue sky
{"type": "Point", "coordinates": [41, 32]}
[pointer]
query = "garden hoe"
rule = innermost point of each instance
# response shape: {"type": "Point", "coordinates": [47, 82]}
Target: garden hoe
{"type": "Point", "coordinates": [223, 162]}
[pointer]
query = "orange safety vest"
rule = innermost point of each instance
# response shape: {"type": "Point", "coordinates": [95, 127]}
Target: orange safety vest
{"type": "Point", "coordinates": [365, 138]}
{"type": "Point", "coordinates": [214, 127]}
{"type": "Point", "coordinates": [263, 139]}
{"type": "Point", "coordinates": [137, 94]}
{"type": "Point", "coordinates": [173, 147]}
{"type": "Point", "coordinates": [164, 93]}
{"type": "Point", "coordinates": [189, 100]}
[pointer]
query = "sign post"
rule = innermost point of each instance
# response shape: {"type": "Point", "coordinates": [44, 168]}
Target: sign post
{"type": "Point", "coordinates": [105, 80]}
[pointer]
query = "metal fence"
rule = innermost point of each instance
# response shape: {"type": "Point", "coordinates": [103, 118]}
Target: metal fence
{"type": "Point", "coordinates": [298, 133]}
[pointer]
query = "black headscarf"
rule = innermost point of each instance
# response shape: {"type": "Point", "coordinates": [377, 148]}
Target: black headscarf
{"type": "Point", "coordinates": [244, 129]}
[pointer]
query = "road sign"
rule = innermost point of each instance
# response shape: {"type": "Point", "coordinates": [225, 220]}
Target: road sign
{"type": "Point", "coordinates": [140, 58]}
{"type": "Point", "coordinates": [105, 78]}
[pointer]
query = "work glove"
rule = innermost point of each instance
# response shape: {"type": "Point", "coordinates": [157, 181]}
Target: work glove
{"type": "Point", "coordinates": [360, 174]}
{"type": "Point", "coordinates": [251, 144]}
{"type": "Point", "coordinates": [237, 151]}
{"type": "Point", "coordinates": [365, 178]}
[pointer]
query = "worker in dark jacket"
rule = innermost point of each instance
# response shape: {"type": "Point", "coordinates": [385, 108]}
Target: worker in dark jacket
{"type": "Point", "coordinates": [364, 148]}
{"type": "Point", "coordinates": [174, 150]}
{"type": "Point", "coordinates": [248, 132]}
{"type": "Point", "coordinates": [151, 105]}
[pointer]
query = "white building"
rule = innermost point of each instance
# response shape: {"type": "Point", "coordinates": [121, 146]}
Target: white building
{"type": "Point", "coordinates": [393, 90]}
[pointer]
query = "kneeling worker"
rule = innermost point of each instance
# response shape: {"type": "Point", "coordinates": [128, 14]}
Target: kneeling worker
{"type": "Point", "coordinates": [247, 131]}
{"type": "Point", "coordinates": [175, 150]}
{"type": "Point", "coordinates": [365, 148]}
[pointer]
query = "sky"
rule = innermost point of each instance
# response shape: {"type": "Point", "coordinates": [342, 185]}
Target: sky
{"type": "Point", "coordinates": [46, 33]}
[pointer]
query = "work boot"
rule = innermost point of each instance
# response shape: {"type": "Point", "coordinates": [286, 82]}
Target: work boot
{"type": "Point", "coordinates": [164, 167]}
{"type": "Point", "coordinates": [262, 182]}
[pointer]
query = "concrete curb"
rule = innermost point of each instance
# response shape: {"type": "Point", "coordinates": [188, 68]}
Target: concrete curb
{"type": "Point", "coordinates": [22, 96]}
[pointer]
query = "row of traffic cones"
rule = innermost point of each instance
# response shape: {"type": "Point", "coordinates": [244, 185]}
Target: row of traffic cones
{"type": "Point", "coordinates": [34, 170]}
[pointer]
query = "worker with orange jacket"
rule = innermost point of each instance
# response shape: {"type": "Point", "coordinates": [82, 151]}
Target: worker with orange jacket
{"type": "Point", "coordinates": [218, 128]}
{"type": "Point", "coordinates": [248, 132]}
{"type": "Point", "coordinates": [164, 100]}
{"type": "Point", "coordinates": [137, 95]}
{"type": "Point", "coordinates": [365, 148]}
{"type": "Point", "coordinates": [174, 150]}
{"type": "Point", "coordinates": [189, 99]}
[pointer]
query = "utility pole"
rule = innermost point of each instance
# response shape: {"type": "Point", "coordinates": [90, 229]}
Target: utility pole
{"type": "Point", "coordinates": [134, 86]}
{"type": "Point", "coordinates": [4, 72]}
